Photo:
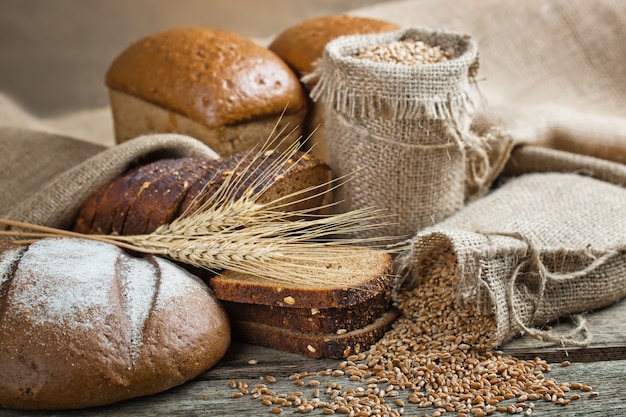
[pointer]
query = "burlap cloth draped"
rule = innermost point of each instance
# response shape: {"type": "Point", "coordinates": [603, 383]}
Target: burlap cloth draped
{"type": "Point", "coordinates": [551, 72]}
{"type": "Point", "coordinates": [546, 244]}
{"type": "Point", "coordinates": [46, 178]}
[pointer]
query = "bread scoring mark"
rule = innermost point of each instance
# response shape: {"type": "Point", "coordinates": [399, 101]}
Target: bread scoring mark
{"type": "Point", "coordinates": [138, 283]}
{"type": "Point", "coordinates": [10, 255]}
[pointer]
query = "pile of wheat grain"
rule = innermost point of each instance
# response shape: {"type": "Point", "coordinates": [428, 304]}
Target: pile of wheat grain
{"type": "Point", "coordinates": [436, 357]}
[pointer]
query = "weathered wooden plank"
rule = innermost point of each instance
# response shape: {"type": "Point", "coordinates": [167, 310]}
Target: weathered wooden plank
{"type": "Point", "coordinates": [608, 329]}
{"type": "Point", "coordinates": [602, 365]}
{"type": "Point", "coordinates": [213, 396]}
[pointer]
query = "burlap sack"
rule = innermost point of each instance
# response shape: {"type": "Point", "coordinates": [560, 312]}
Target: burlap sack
{"type": "Point", "coordinates": [402, 132]}
{"type": "Point", "coordinates": [541, 246]}
{"type": "Point", "coordinates": [46, 178]}
{"type": "Point", "coordinates": [551, 73]}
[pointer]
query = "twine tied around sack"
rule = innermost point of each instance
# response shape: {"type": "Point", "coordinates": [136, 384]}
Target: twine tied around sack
{"type": "Point", "coordinates": [534, 262]}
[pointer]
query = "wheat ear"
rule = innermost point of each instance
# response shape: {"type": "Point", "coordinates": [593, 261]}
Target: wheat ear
{"type": "Point", "coordinates": [232, 231]}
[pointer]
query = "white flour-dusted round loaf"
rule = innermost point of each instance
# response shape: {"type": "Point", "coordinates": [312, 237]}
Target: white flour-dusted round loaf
{"type": "Point", "coordinates": [84, 323]}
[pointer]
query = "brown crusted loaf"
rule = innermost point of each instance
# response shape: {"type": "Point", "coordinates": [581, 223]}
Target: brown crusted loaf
{"type": "Point", "coordinates": [301, 45]}
{"type": "Point", "coordinates": [84, 324]}
{"type": "Point", "coordinates": [154, 194]}
{"type": "Point", "coordinates": [344, 291]}
{"type": "Point", "coordinates": [330, 345]}
{"type": "Point", "coordinates": [214, 85]}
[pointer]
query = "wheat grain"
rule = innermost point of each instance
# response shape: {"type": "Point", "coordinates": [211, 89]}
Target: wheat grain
{"type": "Point", "coordinates": [438, 356]}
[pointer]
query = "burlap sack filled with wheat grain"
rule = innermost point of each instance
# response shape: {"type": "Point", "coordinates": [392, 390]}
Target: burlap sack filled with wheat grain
{"type": "Point", "coordinates": [46, 178]}
{"type": "Point", "coordinates": [402, 132]}
{"type": "Point", "coordinates": [543, 245]}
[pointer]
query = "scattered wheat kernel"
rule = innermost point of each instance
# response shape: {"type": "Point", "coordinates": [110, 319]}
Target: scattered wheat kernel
{"type": "Point", "coordinates": [253, 362]}
{"type": "Point", "coordinates": [289, 300]}
{"type": "Point", "coordinates": [271, 379]}
{"type": "Point", "coordinates": [310, 348]}
{"type": "Point", "coordinates": [277, 410]}
{"type": "Point", "coordinates": [343, 410]}
{"type": "Point", "coordinates": [594, 394]}
{"type": "Point", "coordinates": [566, 363]}
{"type": "Point", "coordinates": [232, 383]}
{"type": "Point", "coordinates": [237, 394]}
{"type": "Point", "coordinates": [586, 388]}
{"type": "Point", "coordinates": [342, 331]}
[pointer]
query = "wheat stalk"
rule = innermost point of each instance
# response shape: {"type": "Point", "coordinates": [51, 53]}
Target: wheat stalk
{"type": "Point", "coordinates": [231, 230]}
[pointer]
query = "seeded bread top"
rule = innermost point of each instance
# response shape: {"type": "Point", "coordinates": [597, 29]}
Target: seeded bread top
{"type": "Point", "coordinates": [303, 44]}
{"type": "Point", "coordinates": [341, 289]}
{"type": "Point", "coordinates": [214, 77]}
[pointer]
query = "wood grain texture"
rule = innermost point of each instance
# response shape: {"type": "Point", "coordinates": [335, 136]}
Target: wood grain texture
{"type": "Point", "coordinates": [608, 329]}
{"type": "Point", "coordinates": [602, 366]}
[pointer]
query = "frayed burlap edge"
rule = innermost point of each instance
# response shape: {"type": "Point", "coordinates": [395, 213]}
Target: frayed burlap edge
{"type": "Point", "coordinates": [57, 203]}
{"type": "Point", "coordinates": [437, 103]}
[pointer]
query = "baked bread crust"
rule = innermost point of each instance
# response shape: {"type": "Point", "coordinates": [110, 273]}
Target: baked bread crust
{"type": "Point", "coordinates": [312, 320]}
{"type": "Point", "coordinates": [134, 117]}
{"type": "Point", "coordinates": [212, 76]}
{"type": "Point", "coordinates": [302, 44]}
{"type": "Point", "coordinates": [84, 324]}
{"type": "Point", "coordinates": [154, 194]}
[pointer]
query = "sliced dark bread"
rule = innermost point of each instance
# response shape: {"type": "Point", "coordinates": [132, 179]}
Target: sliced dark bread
{"type": "Point", "coordinates": [329, 345]}
{"type": "Point", "coordinates": [154, 194]}
{"type": "Point", "coordinates": [313, 320]}
{"type": "Point", "coordinates": [341, 288]}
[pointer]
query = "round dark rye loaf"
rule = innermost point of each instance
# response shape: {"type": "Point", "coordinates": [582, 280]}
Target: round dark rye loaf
{"type": "Point", "coordinates": [154, 194]}
{"type": "Point", "coordinates": [85, 324]}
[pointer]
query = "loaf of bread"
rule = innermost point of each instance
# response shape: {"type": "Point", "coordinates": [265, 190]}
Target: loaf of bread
{"type": "Point", "coordinates": [348, 312]}
{"type": "Point", "coordinates": [154, 194]}
{"type": "Point", "coordinates": [84, 324]}
{"type": "Point", "coordinates": [210, 84]}
{"type": "Point", "coordinates": [302, 45]}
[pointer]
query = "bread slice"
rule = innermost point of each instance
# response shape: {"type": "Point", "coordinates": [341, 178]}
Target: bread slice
{"type": "Point", "coordinates": [211, 84]}
{"type": "Point", "coordinates": [313, 320]}
{"type": "Point", "coordinates": [154, 194]}
{"type": "Point", "coordinates": [329, 345]}
{"type": "Point", "coordinates": [342, 288]}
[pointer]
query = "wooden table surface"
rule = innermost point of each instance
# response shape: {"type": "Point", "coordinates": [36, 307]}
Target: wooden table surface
{"type": "Point", "coordinates": [601, 365]}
